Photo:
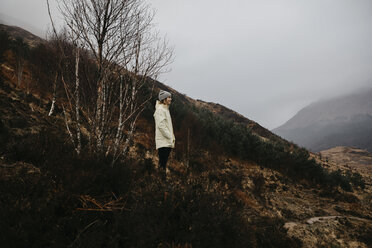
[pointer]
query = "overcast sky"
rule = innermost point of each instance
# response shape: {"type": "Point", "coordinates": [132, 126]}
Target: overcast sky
{"type": "Point", "coordinates": [265, 59]}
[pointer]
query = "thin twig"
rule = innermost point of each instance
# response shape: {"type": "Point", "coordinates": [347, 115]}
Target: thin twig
{"type": "Point", "coordinates": [82, 231]}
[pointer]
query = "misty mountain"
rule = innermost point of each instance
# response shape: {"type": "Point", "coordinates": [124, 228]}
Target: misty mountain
{"type": "Point", "coordinates": [341, 121]}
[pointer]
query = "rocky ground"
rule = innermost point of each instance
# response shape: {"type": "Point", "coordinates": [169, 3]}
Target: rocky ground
{"type": "Point", "coordinates": [349, 157]}
{"type": "Point", "coordinates": [321, 219]}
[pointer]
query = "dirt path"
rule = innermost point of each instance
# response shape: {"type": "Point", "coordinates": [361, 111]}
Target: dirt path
{"type": "Point", "coordinates": [312, 220]}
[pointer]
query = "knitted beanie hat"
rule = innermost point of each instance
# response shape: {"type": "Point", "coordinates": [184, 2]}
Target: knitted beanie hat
{"type": "Point", "coordinates": [164, 94]}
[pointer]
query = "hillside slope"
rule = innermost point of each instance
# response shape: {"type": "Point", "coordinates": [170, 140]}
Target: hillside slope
{"type": "Point", "coordinates": [51, 198]}
{"type": "Point", "coordinates": [342, 121]}
{"type": "Point", "coordinates": [264, 192]}
{"type": "Point", "coordinates": [14, 31]}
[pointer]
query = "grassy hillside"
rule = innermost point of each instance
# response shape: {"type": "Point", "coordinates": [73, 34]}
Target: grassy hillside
{"type": "Point", "coordinates": [232, 183]}
{"type": "Point", "coordinates": [52, 198]}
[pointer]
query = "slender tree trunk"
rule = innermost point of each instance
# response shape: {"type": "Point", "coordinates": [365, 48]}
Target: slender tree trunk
{"type": "Point", "coordinates": [77, 104]}
{"type": "Point", "coordinates": [54, 95]}
{"type": "Point", "coordinates": [19, 72]}
{"type": "Point", "coordinates": [68, 128]}
{"type": "Point", "coordinates": [98, 119]}
{"type": "Point", "coordinates": [188, 149]}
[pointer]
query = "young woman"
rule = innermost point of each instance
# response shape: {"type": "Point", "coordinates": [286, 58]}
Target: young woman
{"type": "Point", "coordinates": [164, 137]}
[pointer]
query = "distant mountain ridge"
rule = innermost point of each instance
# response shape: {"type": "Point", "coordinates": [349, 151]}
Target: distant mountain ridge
{"type": "Point", "coordinates": [341, 121]}
{"type": "Point", "coordinates": [7, 19]}
{"type": "Point", "coordinates": [28, 37]}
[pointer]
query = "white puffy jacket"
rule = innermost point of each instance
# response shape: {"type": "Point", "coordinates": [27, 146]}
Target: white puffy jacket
{"type": "Point", "coordinates": [164, 136]}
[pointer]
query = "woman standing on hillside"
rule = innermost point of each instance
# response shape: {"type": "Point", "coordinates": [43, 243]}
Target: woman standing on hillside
{"type": "Point", "coordinates": [164, 137]}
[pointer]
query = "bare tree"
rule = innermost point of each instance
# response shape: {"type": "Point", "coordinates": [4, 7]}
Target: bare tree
{"type": "Point", "coordinates": [119, 36]}
{"type": "Point", "coordinates": [63, 41]}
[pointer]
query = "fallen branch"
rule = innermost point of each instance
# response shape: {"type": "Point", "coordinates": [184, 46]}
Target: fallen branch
{"type": "Point", "coordinates": [91, 204]}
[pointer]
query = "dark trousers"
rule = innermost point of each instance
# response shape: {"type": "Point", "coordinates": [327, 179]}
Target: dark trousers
{"type": "Point", "coordinates": [163, 153]}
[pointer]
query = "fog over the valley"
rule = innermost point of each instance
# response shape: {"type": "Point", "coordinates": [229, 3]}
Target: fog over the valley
{"type": "Point", "coordinates": [265, 59]}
